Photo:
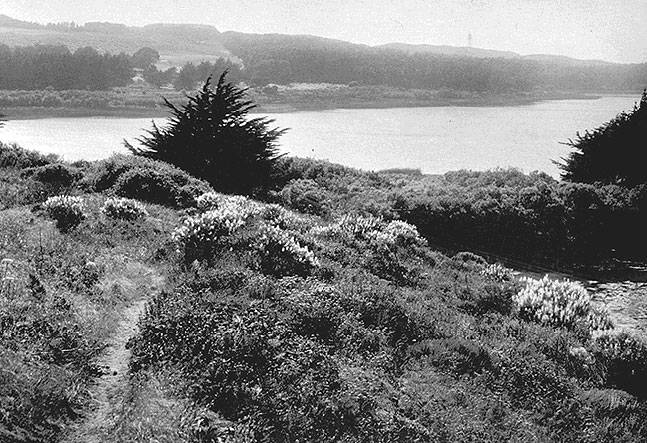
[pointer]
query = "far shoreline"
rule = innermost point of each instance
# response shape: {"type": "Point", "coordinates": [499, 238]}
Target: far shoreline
{"type": "Point", "coordinates": [279, 107]}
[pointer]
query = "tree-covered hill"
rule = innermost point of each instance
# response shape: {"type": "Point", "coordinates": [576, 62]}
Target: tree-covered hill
{"type": "Point", "coordinates": [278, 58]}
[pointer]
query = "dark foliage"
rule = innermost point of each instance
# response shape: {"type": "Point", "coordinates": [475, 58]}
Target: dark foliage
{"type": "Point", "coordinates": [13, 156]}
{"type": "Point", "coordinates": [57, 175]}
{"type": "Point", "coordinates": [43, 66]}
{"type": "Point", "coordinates": [614, 153]}
{"type": "Point", "coordinates": [212, 138]}
{"type": "Point", "coordinates": [144, 179]}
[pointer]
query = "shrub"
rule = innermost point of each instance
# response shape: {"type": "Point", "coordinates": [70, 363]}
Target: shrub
{"type": "Point", "coordinates": [497, 273]}
{"type": "Point", "coordinates": [55, 174]}
{"type": "Point", "coordinates": [281, 254]}
{"type": "Point", "coordinates": [211, 138]}
{"type": "Point", "coordinates": [200, 236]}
{"type": "Point", "coordinates": [68, 211]}
{"type": "Point", "coordinates": [558, 303]}
{"type": "Point", "coordinates": [305, 195]}
{"type": "Point", "coordinates": [624, 357]}
{"type": "Point", "coordinates": [146, 180]}
{"type": "Point", "coordinates": [13, 156]}
{"type": "Point", "coordinates": [123, 208]}
{"type": "Point", "coordinates": [457, 356]}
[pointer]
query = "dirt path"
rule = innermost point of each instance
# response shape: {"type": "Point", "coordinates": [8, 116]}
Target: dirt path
{"type": "Point", "coordinates": [107, 393]}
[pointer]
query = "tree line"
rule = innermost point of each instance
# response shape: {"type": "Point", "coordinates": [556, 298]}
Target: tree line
{"type": "Point", "coordinates": [49, 66]}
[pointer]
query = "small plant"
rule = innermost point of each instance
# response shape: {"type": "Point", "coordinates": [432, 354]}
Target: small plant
{"type": "Point", "coordinates": [559, 303]}
{"type": "Point", "coordinates": [67, 211]}
{"type": "Point", "coordinates": [124, 209]}
{"type": "Point", "coordinates": [282, 255]}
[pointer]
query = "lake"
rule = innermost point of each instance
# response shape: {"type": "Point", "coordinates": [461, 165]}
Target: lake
{"type": "Point", "coordinates": [434, 139]}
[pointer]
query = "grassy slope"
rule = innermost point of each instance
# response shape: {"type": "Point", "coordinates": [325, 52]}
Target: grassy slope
{"type": "Point", "coordinates": [380, 339]}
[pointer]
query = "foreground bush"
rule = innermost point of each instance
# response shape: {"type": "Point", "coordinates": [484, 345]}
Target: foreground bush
{"type": "Point", "coordinates": [54, 174]}
{"type": "Point", "coordinates": [282, 255]}
{"type": "Point", "coordinates": [201, 236]}
{"type": "Point", "coordinates": [559, 303]}
{"type": "Point", "coordinates": [146, 180]}
{"type": "Point", "coordinates": [124, 209]}
{"type": "Point", "coordinates": [13, 156]}
{"type": "Point", "coordinates": [67, 211]}
{"type": "Point", "coordinates": [625, 359]}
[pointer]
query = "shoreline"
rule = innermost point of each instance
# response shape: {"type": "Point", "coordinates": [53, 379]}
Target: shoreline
{"type": "Point", "coordinates": [288, 106]}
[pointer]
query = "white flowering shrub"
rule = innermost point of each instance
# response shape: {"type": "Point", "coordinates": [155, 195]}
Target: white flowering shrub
{"type": "Point", "coordinates": [213, 200]}
{"type": "Point", "coordinates": [67, 211]}
{"type": "Point", "coordinates": [123, 208]}
{"type": "Point", "coordinates": [200, 235]}
{"type": "Point", "coordinates": [281, 254]}
{"type": "Point", "coordinates": [497, 273]}
{"type": "Point", "coordinates": [402, 233]}
{"type": "Point", "coordinates": [358, 227]}
{"type": "Point", "coordinates": [558, 303]}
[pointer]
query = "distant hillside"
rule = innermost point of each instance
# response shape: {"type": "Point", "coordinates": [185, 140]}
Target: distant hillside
{"type": "Point", "coordinates": [176, 44]}
{"type": "Point", "coordinates": [459, 51]}
{"type": "Point", "coordinates": [283, 59]}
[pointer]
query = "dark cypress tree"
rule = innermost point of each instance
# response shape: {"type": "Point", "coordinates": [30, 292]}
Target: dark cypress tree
{"type": "Point", "coordinates": [212, 138]}
{"type": "Point", "coordinates": [615, 152]}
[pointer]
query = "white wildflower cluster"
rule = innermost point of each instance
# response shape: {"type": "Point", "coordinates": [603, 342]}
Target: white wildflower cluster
{"type": "Point", "coordinates": [557, 303]}
{"type": "Point", "coordinates": [400, 232]}
{"type": "Point", "coordinates": [123, 208]}
{"type": "Point", "coordinates": [357, 227]}
{"type": "Point", "coordinates": [68, 211]}
{"type": "Point", "coordinates": [281, 254]}
{"type": "Point", "coordinates": [496, 272]}
{"type": "Point", "coordinates": [205, 230]}
{"type": "Point", "coordinates": [212, 201]}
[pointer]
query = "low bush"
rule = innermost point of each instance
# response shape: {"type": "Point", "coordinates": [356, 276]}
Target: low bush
{"type": "Point", "coordinates": [558, 303]}
{"type": "Point", "coordinates": [67, 211]}
{"type": "Point", "coordinates": [305, 195]}
{"type": "Point", "coordinates": [199, 237]}
{"type": "Point", "coordinates": [146, 180]}
{"type": "Point", "coordinates": [57, 175]}
{"type": "Point", "coordinates": [282, 255]}
{"type": "Point", "coordinates": [13, 156]}
{"type": "Point", "coordinates": [124, 209]}
{"type": "Point", "coordinates": [624, 357]}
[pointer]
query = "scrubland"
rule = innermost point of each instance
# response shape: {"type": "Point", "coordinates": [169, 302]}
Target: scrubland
{"type": "Point", "coordinates": [323, 312]}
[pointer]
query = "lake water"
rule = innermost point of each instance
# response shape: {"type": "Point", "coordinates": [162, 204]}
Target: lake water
{"type": "Point", "coordinates": [434, 139]}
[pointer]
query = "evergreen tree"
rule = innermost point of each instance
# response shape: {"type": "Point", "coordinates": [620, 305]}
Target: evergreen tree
{"type": "Point", "coordinates": [212, 138]}
{"type": "Point", "coordinates": [615, 152]}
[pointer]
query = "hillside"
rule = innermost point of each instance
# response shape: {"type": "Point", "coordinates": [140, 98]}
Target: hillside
{"type": "Point", "coordinates": [176, 44]}
{"type": "Point", "coordinates": [307, 320]}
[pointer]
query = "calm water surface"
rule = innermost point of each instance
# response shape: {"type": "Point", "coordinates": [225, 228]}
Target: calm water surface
{"type": "Point", "coordinates": [434, 139]}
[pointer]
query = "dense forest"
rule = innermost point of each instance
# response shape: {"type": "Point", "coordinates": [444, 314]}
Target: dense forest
{"type": "Point", "coordinates": [44, 66]}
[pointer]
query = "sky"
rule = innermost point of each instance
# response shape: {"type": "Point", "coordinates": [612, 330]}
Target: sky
{"type": "Point", "coordinates": [612, 30]}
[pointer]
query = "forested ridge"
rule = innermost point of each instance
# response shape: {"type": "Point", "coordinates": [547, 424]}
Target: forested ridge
{"type": "Point", "coordinates": [261, 59]}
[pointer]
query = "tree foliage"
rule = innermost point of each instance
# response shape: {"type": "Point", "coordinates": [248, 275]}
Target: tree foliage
{"type": "Point", "coordinates": [43, 66]}
{"type": "Point", "coordinates": [212, 137]}
{"type": "Point", "coordinates": [612, 153]}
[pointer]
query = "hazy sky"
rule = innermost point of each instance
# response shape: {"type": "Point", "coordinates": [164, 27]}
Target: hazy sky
{"type": "Point", "coordinates": [614, 30]}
